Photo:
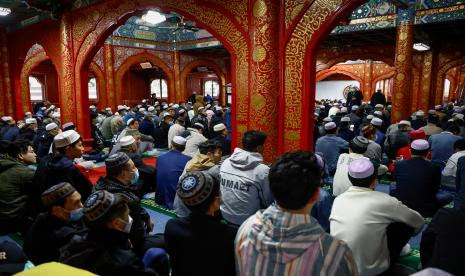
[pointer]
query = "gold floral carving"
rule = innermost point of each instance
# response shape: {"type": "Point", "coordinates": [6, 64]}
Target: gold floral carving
{"type": "Point", "coordinates": [28, 66]}
{"type": "Point", "coordinates": [295, 50]}
{"type": "Point", "coordinates": [259, 54]}
{"type": "Point", "coordinates": [6, 73]}
{"type": "Point", "coordinates": [293, 8]}
{"type": "Point", "coordinates": [239, 8]}
{"type": "Point", "coordinates": [259, 8]}
{"type": "Point", "coordinates": [112, 97]}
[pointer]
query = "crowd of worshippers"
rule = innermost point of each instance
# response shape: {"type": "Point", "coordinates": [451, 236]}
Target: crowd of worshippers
{"type": "Point", "coordinates": [305, 214]}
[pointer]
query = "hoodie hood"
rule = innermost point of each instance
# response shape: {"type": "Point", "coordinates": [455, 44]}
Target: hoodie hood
{"type": "Point", "coordinates": [7, 163]}
{"type": "Point", "coordinates": [59, 163]}
{"type": "Point", "coordinates": [283, 236]}
{"type": "Point", "coordinates": [200, 162]}
{"type": "Point", "coordinates": [244, 160]}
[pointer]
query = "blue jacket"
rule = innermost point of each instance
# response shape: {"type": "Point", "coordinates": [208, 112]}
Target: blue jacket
{"type": "Point", "coordinates": [442, 146]}
{"type": "Point", "coordinates": [322, 209]}
{"type": "Point", "coordinates": [169, 168]}
{"type": "Point", "coordinates": [380, 136]}
{"type": "Point", "coordinates": [11, 134]}
{"type": "Point", "coordinates": [330, 146]}
{"type": "Point", "coordinates": [147, 127]}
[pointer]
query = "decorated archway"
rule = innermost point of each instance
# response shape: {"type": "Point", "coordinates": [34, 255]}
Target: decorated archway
{"type": "Point", "coordinates": [100, 78]}
{"type": "Point", "coordinates": [142, 57]}
{"type": "Point", "coordinates": [210, 64]}
{"type": "Point", "coordinates": [304, 31]}
{"type": "Point", "coordinates": [322, 75]}
{"type": "Point", "coordinates": [28, 67]}
{"type": "Point", "coordinates": [228, 26]}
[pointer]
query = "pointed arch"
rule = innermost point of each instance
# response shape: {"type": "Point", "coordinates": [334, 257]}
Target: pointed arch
{"type": "Point", "coordinates": [100, 78]}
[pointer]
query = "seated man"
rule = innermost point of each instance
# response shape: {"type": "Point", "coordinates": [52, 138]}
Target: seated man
{"type": "Point", "coordinates": [209, 160]}
{"type": "Point", "coordinates": [169, 168]}
{"type": "Point", "coordinates": [60, 167]}
{"type": "Point", "coordinates": [221, 135]}
{"type": "Point", "coordinates": [161, 132]}
{"type": "Point", "coordinates": [284, 237]}
{"type": "Point", "coordinates": [195, 138]}
{"type": "Point", "coordinates": [200, 244]}
{"type": "Point", "coordinates": [418, 181]}
{"type": "Point", "coordinates": [45, 140]}
{"type": "Point", "coordinates": [331, 145]}
{"type": "Point", "coordinates": [106, 250]}
{"type": "Point", "coordinates": [375, 225]}
{"type": "Point", "coordinates": [121, 174]}
{"type": "Point", "coordinates": [442, 242]}
{"type": "Point", "coordinates": [16, 188]}
{"type": "Point", "coordinates": [55, 228]}
{"type": "Point", "coordinates": [244, 180]}
{"type": "Point", "coordinates": [442, 144]}
{"type": "Point", "coordinates": [129, 145]}
{"type": "Point", "coordinates": [451, 166]}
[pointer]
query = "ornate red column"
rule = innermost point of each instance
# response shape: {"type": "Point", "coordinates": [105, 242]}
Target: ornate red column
{"type": "Point", "coordinates": [178, 94]}
{"type": "Point", "coordinates": [65, 70]}
{"type": "Point", "coordinates": [8, 100]}
{"type": "Point", "coordinates": [112, 99]}
{"type": "Point", "coordinates": [367, 78]}
{"type": "Point", "coordinates": [264, 72]}
{"type": "Point", "coordinates": [401, 96]}
{"type": "Point", "coordinates": [426, 79]}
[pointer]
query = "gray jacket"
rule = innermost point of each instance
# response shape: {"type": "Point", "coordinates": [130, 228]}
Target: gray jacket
{"type": "Point", "coordinates": [244, 186]}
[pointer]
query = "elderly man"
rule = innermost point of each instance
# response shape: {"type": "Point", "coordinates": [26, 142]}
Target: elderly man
{"type": "Point", "coordinates": [29, 131]}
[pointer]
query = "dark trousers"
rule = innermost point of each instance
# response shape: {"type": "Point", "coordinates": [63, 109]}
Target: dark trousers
{"type": "Point", "coordinates": [398, 234]}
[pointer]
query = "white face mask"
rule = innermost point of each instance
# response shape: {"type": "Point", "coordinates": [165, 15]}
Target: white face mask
{"type": "Point", "coordinates": [127, 226]}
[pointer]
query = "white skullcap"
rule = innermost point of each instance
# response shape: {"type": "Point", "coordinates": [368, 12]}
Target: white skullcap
{"type": "Point", "coordinates": [108, 109]}
{"type": "Point", "coordinates": [130, 121]}
{"type": "Point", "coordinates": [369, 117]}
{"type": "Point", "coordinates": [459, 116]}
{"type": "Point", "coordinates": [322, 107]}
{"type": "Point", "coordinates": [217, 108]}
{"type": "Point", "coordinates": [181, 111]}
{"type": "Point", "coordinates": [330, 125]}
{"type": "Point", "coordinates": [376, 122]}
{"type": "Point", "coordinates": [144, 100]}
{"type": "Point", "coordinates": [210, 112]}
{"type": "Point", "coordinates": [68, 124]}
{"type": "Point", "coordinates": [56, 115]}
{"type": "Point", "coordinates": [420, 113]}
{"type": "Point", "coordinates": [141, 109]}
{"type": "Point", "coordinates": [354, 107]}
{"type": "Point", "coordinates": [121, 107]}
{"type": "Point", "coordinates": [344, 109]}
{"type": "Point", "coordinates": [405, 122]}
{"type": "Point", "coordinates": [157, 103]}
{"type": "Point", "coordinates": [66, 138]}
{"type": "Point", "coordinates": [419, 144]}
{"type": "Point", "coordinates": [361, 168]}
{"type": "Point", "coordinates": [92, 107]}
{"type": "Point", "coordinates": [31, 121]}
{"type": "Point", "coordinates": [28, 113]}
{"type": "Point", "coordinates": [165, 106]}
{"type": "Point", "coordinates": [50, 126]}
{"type": "Point", "coordinates": [327, 119]}
{"type": "Point", "coordinates": [379, 106]}
{"type": "Point", "coordinates": [175, 105]}
{"type": "Point", "coordinates": [345, 119]}
{"type": "Point", "coordinates": [179, 140]}
{"type": "Point", "coordinates": [151, 109]}
{"type": "Point", "coordinates": [219, 127]}
{"type": "Point", "coordinates": [127, 140]}
{"type": "Point", "coordinates": [379, 113]}
{"type": "Point", "coordinates": [335, 104]}
{"type": "Point", "coordinates": [52, 107]}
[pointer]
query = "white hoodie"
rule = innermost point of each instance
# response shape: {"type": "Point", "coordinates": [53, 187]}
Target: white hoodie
{"type": "Point", "coordinates": [244, 186]}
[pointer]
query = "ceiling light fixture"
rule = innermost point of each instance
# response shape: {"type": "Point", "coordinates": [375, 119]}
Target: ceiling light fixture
{"type": "Point", "coordinates": [421, 47]}
{"type": "Point", "coordinates": [4, 11]}
{"type": "Point", "coordinates": [153, 17]}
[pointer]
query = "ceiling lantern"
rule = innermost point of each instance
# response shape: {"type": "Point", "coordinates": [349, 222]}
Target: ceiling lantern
{"type": "Point", "coordinates": [153, 17]}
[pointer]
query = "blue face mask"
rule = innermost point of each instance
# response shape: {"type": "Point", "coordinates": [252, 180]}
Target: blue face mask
{"type": "Point", "coordinates": [135, 178]}
{"type": "Point", "coordinates": [76, 215]}
{"type": "Point", "coordinates": [171, 123]}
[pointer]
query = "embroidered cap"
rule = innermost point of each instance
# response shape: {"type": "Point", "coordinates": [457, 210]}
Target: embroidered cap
{"type": "Point", "coordinates": [330, 125]}
{"type": "Point", "coordinates": [57, 193]}
{"type": "Point", "coordinates": [127, 140]}
{"type": "Point", "coordinates": [420, 144]}
{"type": "Point", "coordinates": [195, 187]}
{"type": "Point", "coordinates": [117, 160]}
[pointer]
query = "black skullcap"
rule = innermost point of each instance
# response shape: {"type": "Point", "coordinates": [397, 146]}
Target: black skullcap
{"type": "Point", "coordinates": [57, 193]}
{"type": "Point", "coordinates": [98, 204]}
{"type": "Point", "coordinates": [117, 160]}
{"type": "Point", "coordinates": [361, 142]}
{"type": "Point", "coordinates": [195, 187]}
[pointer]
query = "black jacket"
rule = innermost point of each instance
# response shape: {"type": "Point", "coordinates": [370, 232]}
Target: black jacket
{"type": "Point", "coordinates": [443, 241]}
{"type": "Point", "coordinates": [45, 140]}
{"type": "Point", "coordinates": [160, 135]}
{"type": "Point", "coordinates": [225, 144]}
{"type": "Point", "coordinates": [138, 232]}
{"type": "Point", "coordinates": [378, 98]}
{"type": "Point", "coordinates": [26, 134]}
{"type": "Point", "coordinates": [200, 245]}
{"type": "Point", "coordinates": [47, 235]}
{"type": "Point", "coordinates": [104, 252]}
{"type": "Point", "coordinates": [417, 182]}
{"type": "Point", "coordinates": [56, 169]}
